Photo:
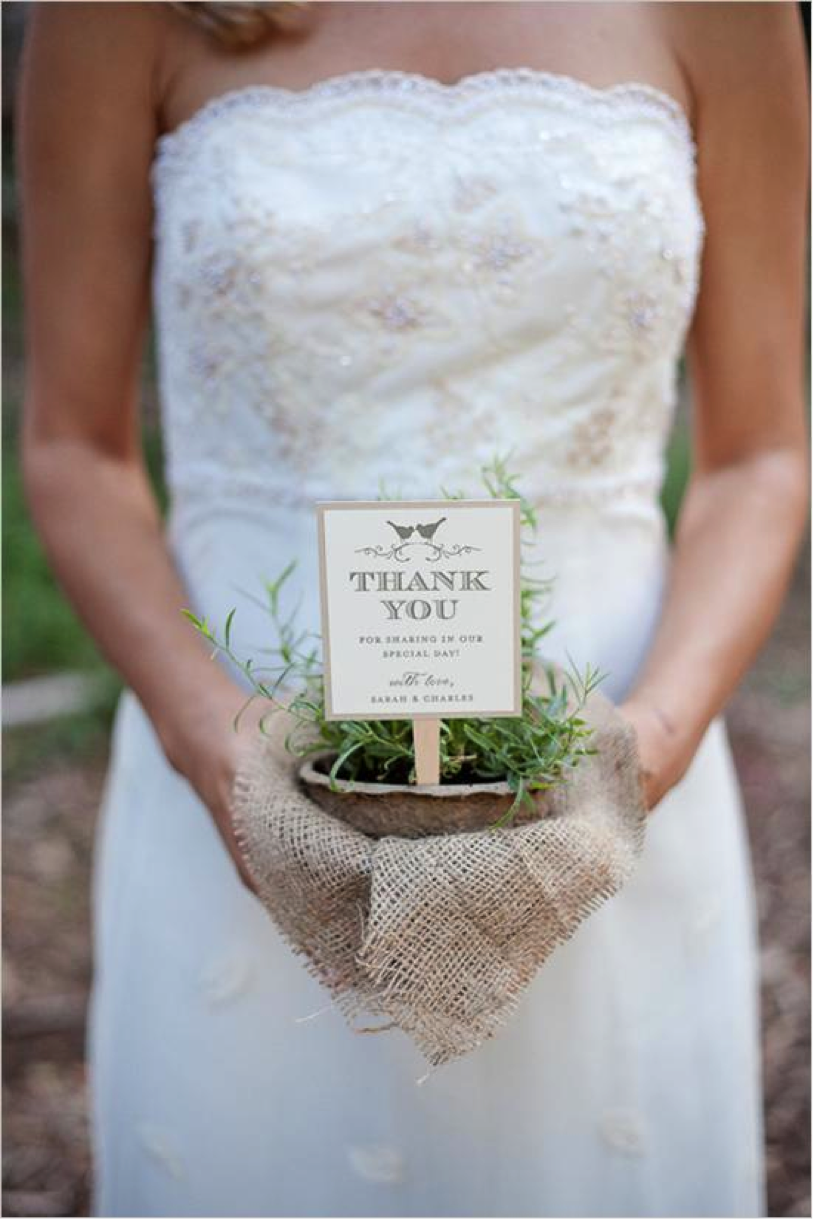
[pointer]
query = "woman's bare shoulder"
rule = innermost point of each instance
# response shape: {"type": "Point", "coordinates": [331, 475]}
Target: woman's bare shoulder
{"type": "Point", "coordinates": [123, 31]}
{"type": "Point", "coordinates": [89, 103]}
{"type": "Point", "coordinates": [733, 53]}
{"type": "Point", "coordinates": [81, 52]}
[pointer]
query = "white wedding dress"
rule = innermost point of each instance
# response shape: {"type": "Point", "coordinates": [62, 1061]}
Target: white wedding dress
{"type": "Point", "coordinates": [377, 284]}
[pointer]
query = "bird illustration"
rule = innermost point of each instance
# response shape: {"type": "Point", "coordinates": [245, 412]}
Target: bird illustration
{"type": "Point", "coordinates": [403, 531]}
{"type": "Point", "coordinates": [428, 531]}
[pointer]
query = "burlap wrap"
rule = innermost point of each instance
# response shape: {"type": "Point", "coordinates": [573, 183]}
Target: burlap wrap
{"type": "Point", "coordinates": [438, 935]}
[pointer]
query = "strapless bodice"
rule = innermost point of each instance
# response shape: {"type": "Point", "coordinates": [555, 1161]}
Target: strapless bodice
{"type": "Point", "coordinates": [378, 284]}
{"type": "Point", "coordinates": [387, 279]}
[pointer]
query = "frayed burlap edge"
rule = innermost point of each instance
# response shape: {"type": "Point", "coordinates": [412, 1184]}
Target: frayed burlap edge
{"type": "Point", "coordinates": [438, 935]}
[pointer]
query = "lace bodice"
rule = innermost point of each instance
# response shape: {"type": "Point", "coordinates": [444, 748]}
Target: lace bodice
{"type": "Point", "coordinates": [383, 280]}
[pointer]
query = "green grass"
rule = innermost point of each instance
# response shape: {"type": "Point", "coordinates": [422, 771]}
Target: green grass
{"type": "Point", "coordinates": [84, 735]}
{"type": "Point", "coordinates": [679, 461]}
{"type": "Point", "coordinates": [41, 633]}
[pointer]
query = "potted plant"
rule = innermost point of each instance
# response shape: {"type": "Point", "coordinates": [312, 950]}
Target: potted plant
{"type": "Point", "coordinates": [492, 771]}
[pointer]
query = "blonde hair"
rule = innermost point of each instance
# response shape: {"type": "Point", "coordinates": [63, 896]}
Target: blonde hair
{"type": "Point", "coordinates": [238, 25]}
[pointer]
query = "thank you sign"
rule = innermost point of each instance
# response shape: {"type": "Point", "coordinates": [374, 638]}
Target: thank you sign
{"type": "Point", "coordinates": [420, 608]}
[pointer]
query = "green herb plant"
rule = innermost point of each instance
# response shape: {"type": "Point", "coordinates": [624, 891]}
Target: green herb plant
{"type": "Point", "coordinates": [531, 752]}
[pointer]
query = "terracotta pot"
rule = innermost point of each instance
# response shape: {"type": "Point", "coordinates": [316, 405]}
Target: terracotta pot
{"type": "Point", "coordinates": [379, 809]}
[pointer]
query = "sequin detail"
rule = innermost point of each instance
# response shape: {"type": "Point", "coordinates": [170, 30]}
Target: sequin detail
{"type": "Point", "coordinates": [345, 297]}
{"type": "Point", "coordinates": [227, 977]}
{"type": "Point", "coordinates": [622, 1130]}
{"type": "Point", "coordinates": [377, 1162]}
{"type": "Point", "coordinates": [160, 1148]}
{"type": "Point", "coordinates": [427, 95]}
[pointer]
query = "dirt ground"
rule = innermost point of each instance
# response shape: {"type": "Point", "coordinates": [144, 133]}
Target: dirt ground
{"type": "Point", "coordinates": [49, 819]}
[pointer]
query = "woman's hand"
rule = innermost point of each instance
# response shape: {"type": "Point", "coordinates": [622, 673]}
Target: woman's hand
{"type": "Point", "coordinates": [208, 752]}
{"type": "Point", "coordinates": [662, 751]}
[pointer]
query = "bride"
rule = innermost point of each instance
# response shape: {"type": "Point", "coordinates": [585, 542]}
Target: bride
{"type": "Point", "coordinates": [383, 243]}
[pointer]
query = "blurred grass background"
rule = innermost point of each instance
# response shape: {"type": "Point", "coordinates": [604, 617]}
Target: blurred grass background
{"type": "Point", "coordinates": [43, 634]}
{"type": "Point", "coordinates": [53, 782]}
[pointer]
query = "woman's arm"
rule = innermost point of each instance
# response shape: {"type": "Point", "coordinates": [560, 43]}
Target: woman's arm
{"type": "Point", "coordinates": [86, 134]}
{"type": "Point", "coordinates": [745, 508]}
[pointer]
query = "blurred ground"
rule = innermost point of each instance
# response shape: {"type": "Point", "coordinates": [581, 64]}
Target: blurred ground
{"type": "Point", "coordinates": [52, 792]}
{"type": "Point", "coordinates": [769, 724]}
{"type": "Point", "coordinates": [53, 776]}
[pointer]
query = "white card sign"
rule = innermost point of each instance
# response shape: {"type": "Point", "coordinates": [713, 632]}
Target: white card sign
{"type": "Point", "coordinates": [420, 608]}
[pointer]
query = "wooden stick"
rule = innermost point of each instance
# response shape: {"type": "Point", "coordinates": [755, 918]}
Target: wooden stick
{"type": "Point", "coordinates": [426, 737]}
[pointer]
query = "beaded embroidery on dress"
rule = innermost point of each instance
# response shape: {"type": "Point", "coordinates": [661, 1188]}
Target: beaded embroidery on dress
{"type": "Point", "coordinates": [496, 234]}
{"type": "Point", "coordinates": [377, 284]}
